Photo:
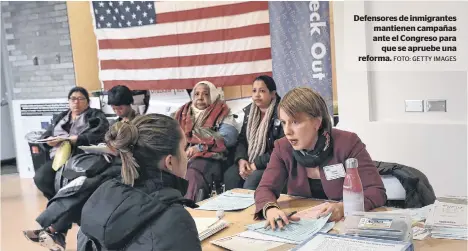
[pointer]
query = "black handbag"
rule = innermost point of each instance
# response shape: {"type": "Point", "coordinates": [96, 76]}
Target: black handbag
{"type": "Point", "coordinates": [85, 164]}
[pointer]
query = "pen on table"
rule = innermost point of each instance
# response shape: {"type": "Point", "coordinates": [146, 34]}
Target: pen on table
{"type": "Point", "coordinates": [291, 214]}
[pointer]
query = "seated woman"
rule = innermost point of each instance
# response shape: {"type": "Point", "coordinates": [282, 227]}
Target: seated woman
{"type": "Point", "coordinates": [299, 158]}
{"type": "Point", "coordinates": [210, 130]}
{"type": "Point", "coordinates": [82, 124]}
{"type": "Point", "coordinates": [145, 209]}
{"type": "Point", "coordinates": [120, 98]}
{"type": "Point", "coordinates": [257, 137]}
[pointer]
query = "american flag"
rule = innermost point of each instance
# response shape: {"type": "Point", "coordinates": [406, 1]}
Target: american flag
{"type": "Point", "coordinates": [174, 45]}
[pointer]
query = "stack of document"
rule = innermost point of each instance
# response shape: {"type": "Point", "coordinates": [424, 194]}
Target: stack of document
{"type": "Point", "coordinates": [447, 219]}
{"type": "Point", "coordinates": [228, 201]}
{"type": "Point", "coordinates": [328, 242]}
{"type": "Point", "coordinates": [257, 237]}
{"type": "Point", "coordinates": [295, 232]}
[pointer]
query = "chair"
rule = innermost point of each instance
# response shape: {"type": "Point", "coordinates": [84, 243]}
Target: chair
{"type": "Point", "coordinates": [418, 190]}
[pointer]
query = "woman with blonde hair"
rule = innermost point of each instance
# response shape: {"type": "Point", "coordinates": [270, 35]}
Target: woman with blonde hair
{"type": "Point", "coordinates": [210, 130]}
{"type": "Point", "coordinates": [310, 147]}
{"type": "Point", "coordinates": [138, 211]}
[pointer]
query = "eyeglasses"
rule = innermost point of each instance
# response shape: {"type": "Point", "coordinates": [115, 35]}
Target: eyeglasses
{"type": "Point", "coordinates": [73, 99]}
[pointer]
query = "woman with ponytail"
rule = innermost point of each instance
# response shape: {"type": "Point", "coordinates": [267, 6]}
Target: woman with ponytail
{"type": "Point", "coordinates": [138, 211]}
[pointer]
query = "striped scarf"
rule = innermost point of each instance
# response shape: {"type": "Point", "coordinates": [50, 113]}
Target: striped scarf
{"type": "Point", "coordinates": [257, 130]}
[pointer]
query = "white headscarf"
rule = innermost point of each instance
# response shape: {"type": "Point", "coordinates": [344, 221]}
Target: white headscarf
{"type": "Point", "coordinates": [215, 94]}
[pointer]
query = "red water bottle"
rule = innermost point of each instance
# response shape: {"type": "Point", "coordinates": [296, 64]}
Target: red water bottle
{"type": "Point", "coordinates": [353, 194]}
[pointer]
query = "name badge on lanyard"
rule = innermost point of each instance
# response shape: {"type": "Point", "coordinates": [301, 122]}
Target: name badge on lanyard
{"type": "Point", "coordinates": [334, 171]}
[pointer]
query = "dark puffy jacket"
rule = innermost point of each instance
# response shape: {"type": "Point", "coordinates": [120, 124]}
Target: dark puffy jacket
{"type": "Point", "coordinates": [275, 131]}
{"type": "Point", "coordinates": [71, 198]}
{"type": "Point", "coordinates": [419, 192]}
{"type": "Point", "coordinates": [149, 216]}
{"type": "Point", "coordinates": [96, 128]}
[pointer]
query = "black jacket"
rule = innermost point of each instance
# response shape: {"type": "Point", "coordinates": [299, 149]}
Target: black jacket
{"type": "Point", "coordinates": [274, 132]}
{"type": "Point", "coordinates": [71, 198]}
{"type": "Point", "coordinates": [148, 216]}
{"type": "Point", "coordinates": [97, 126]}
{"type": "Point", "coordinates": [419, 192]}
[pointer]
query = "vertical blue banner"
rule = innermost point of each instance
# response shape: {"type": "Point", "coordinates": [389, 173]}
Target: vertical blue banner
{"type": "Point", "coordinates": [301, 48]}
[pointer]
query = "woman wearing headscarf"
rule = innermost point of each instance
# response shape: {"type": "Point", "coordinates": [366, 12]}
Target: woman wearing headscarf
{"type": "Point", "coordinates": [256, 140]}
{"type": "Point", "coordinates": [210, 130]}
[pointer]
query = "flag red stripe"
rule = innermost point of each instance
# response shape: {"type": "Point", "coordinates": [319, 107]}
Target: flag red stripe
{"type": "Point", "coordinates": [220, 81]}
{"type": "Point", "coordinates": [210, 12]}
{"type": "Point", "coordinates": [197, 60]}
{"type": "Point", "coordinates": [187, 38]}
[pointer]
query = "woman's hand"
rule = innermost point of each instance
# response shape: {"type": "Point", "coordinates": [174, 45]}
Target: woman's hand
{"type": "Point", "coordinates": [191, 151]}
{"type": "Point", "coordinates": [250, 169]}
{"type": "Point", "coordinates": [273, 216]}
{"type": "Point", "coordinates": [336, 210]}
{"type": "Point", "coordinates": [243, 166]}
{"type": "Point", "coordinates": [73, 139]}
{"type": "Point", "coordinates": [52, 143]}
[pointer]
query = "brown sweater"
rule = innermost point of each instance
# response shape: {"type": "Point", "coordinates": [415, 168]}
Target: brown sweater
{"type": "Point", "coordinates": [346, 145]}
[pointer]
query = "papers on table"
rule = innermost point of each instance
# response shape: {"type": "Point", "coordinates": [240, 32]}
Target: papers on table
{"type": "Point", "coordinates": [327, 227]}
{"type": "Point", "coordinates": [259, 236]}
{"type": "Point", "coordinates": [417, 214]}
{"type": "Point", "coordinates": [328, 242]}
{"type": "Point", "coordinates": [447, 219]}
{"type": "Point", "coordinates": [420, 233]}
{"type": "Point", "coordinates": [240, 243]}
{"type": "Point", "coordinates": [252, 234]}
{"type": "Point", "coordinates": [258, 240]}
{"type": "Point", "coordinates": [295, 232]}
{"type": "Point", "coordinates": [228, 201]}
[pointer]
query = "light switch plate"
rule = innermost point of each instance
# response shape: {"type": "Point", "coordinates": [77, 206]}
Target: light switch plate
{"type": "Point", "coordinates": [436, 105]}
{"type": "Point", "coordinates": [414, 105]}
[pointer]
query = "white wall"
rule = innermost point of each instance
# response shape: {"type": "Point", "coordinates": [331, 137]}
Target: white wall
{"type": "Point", "coordinates": [371, 95]}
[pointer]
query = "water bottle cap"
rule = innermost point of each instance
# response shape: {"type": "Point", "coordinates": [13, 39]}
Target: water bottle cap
{"type": "Point", "coordinates": [351, 163]}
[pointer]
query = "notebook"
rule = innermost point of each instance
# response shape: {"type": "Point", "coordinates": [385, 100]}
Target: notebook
{"type": "Point", "coordinates": [240, 243]}
{"type": "Point", "coordinates": [207, 227]}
